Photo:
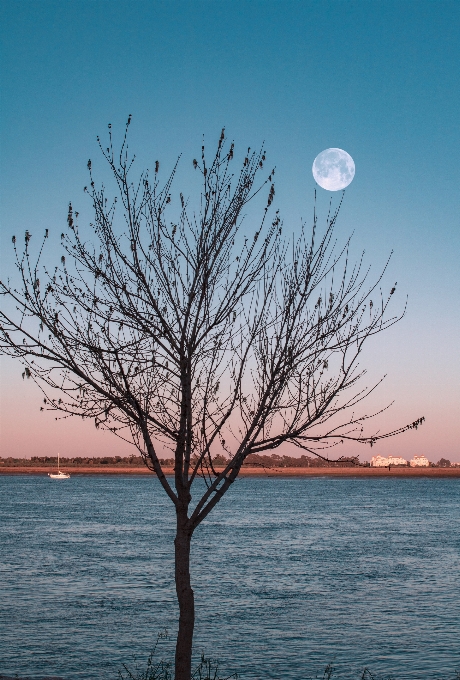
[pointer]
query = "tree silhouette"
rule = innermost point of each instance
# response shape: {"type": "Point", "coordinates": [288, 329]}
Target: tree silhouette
{"type": "Point", "coordinates": [182, 329]}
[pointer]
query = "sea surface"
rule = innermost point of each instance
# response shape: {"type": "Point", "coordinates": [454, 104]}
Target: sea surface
{"type": "Point", "coordinates": [289, 574]}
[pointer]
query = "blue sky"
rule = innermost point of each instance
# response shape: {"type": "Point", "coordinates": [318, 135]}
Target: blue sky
{"type": "Point", "coordinates": [378, 79]}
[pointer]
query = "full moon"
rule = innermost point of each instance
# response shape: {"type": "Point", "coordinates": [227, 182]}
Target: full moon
{"type": "Point", "coordinates": [333, 169]}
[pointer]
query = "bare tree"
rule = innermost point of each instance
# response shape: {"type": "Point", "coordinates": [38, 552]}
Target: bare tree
{"type": "Point", "coordinates": [197, 335]}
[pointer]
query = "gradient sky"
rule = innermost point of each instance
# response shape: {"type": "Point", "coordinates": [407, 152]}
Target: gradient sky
{"type": "Point", "coordinates": [378, 79]}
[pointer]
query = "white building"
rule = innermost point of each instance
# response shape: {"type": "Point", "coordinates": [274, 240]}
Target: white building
{"type": "Point", "coordinates": [419, 461]}
{"type": "Point", "coordinates": [380, 461]}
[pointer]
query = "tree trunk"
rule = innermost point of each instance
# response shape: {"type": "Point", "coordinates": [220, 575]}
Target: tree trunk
{"type": "Point", "coordinates": [183, 668]}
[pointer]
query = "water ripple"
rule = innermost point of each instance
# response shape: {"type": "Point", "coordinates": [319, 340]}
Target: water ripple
{"type": "Point", "coordinates": [288, 574]}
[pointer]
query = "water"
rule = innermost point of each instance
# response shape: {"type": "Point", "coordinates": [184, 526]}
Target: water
{"type": "Point", "coordinates": [288, 575]}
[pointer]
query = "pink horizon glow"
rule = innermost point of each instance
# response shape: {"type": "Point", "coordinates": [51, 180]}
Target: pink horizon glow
{"type": "Point", "coordinates": [26, 432]}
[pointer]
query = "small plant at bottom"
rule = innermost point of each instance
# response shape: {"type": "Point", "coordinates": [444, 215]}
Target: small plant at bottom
{"type": "Point", "coordinates": [329, 674]}
{"type": "Point", "coordinates": [155, 670]}
{"type": "Point", "coordinates": [207, 669]}
{"type": "Point", "coordinates": [365, 674]}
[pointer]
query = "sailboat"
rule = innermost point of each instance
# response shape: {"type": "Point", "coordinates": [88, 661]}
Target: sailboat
{"type": "Point", "coordinates": [59, 474]}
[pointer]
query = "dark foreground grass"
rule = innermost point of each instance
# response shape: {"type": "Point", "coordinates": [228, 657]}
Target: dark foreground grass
{"type": "Point", "coordinates": [208, 669]}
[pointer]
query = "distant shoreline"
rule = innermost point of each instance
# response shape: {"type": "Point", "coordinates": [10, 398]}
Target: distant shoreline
{"type": "Point", "coordinates": [248, 471]}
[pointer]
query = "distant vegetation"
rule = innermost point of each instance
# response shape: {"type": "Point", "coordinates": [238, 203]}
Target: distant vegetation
{"type": "Point", "coordinates": [253, 460]}
{"type": "Point", "coordinates": [304, 461]}
{"type": "Point", "coordinates": [445, 463]}
{"type": "Point", "coordinates": [47, 461]}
